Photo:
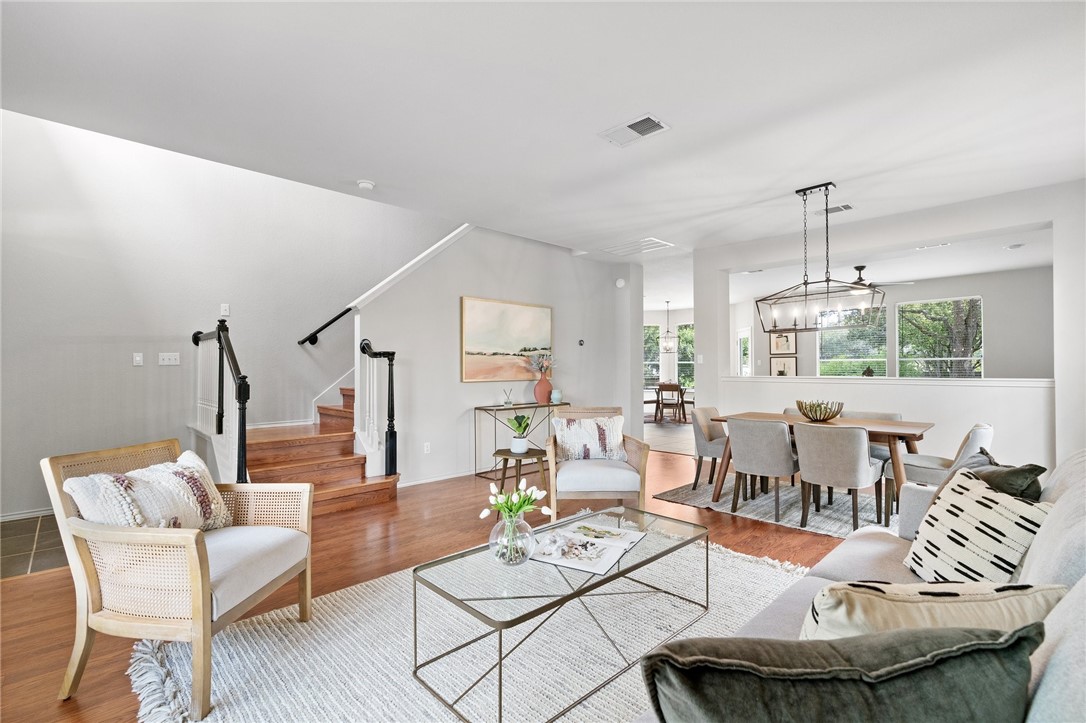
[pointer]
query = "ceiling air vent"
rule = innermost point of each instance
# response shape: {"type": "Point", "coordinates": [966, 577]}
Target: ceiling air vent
{"type": "Point", "coordinates": [833, 209]}
{"type": "Point", "coordinates": [643, 246]}
{"type": "Point", "coordinates": [635, 130]}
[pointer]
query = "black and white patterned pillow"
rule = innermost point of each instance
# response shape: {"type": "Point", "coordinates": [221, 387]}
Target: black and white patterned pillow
{"type": "Point", "coordinates": [971, 532]}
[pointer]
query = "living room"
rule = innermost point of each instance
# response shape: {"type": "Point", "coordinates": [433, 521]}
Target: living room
{"type": "Point", "coordinates": [162, 162]}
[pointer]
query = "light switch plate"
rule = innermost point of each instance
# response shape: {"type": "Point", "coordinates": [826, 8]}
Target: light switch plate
{"type": "Point", "coordinates": [169, 359]}
{"type": "Point", "coordinates": [137, 359]}
{"type": "Point", "coordinates": [224, 309]}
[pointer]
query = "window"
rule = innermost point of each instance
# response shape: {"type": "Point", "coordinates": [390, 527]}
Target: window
{"type": "Point", "coordinates": [652, 356]}
{"type": "Point", "coordinates": [742, 353]}
{"type": "Point", "coordinates": [857, 351]}
{"type": "Point", "coordinates": [685, 333]}
{"type": "Point", "coordinates": [941, 338]}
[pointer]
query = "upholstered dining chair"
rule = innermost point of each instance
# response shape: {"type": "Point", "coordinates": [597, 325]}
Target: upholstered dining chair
{"type": "Point", "coordinates": [598, 478]}
{"type": "Point", "coordinates": [835, 456]}
{"type": "Point", "coordinates": [931, 470]}
{"type": "Point", "coordinates": [167, 583]}
{"type": "Point", "coordinates": [709, 440]}
{"type": "Point", "coordinates": [761, 449]}
{"type": "Point", "coordinates": [878, 451]}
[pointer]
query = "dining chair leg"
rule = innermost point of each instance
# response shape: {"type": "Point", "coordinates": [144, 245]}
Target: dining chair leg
{"type": "Point", "coordinates": [805, 496]}
{"type": "Point", "coordinates": [891, 493]}
{"type": "Point", "coordinates": [816, 490]}
{"type": "Point", "coordinates": [735, 491]}
{"type": "Point", "coordinates": [829, 495]}
{"type": "Point", "coordinates": [697, 472]}
{"type": "Point", "coordinates": [753, 479]}
{"type": "Point", "coordinates": [855, 512]}
{"type": "Point", "coordinates": [712, 468]}
{"type": "Point", "coordinates": [878, 502]}
{"type": "Point", "coordinates": [777, 499]}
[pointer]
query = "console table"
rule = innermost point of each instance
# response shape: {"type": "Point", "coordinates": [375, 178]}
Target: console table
{"type": "Point", "coordinates": [540, 416]}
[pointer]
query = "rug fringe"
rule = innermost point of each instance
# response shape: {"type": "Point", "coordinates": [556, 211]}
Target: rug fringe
{"type": "Point", "coordinates": [161, 700]}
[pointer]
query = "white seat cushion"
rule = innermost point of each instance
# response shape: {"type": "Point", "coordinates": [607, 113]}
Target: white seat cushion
{"type": "Point", "coordinates": [597, 475]}
{"type": "Point", "coordinates": [241, 560]}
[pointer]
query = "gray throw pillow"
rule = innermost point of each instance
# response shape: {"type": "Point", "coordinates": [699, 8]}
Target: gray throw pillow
{"type": "Point", "coordinates": [1021, 481]}
{"type": "Point", "coordinates": [946, 674]}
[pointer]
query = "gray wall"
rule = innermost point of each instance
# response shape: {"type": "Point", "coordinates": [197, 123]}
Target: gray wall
{"type": "Point", "coordinates": [1017, 309]}
{"type": "Point", "coordinates": [111, 247]}
{"type": "Point", "coordinates": [420, 319]}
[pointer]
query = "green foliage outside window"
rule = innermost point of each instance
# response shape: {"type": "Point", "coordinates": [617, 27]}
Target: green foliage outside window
{"type": "Point", "coordinates": [652, 356]}
{"type": "Point", "coordinates": [851, 351]}
{"type": "Point", "coordinates": [685, 332]}
{"type": "Point", "coordinates": [941, 338]}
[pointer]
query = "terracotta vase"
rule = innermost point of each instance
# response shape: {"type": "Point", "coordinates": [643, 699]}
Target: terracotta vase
{"type": "Point", "coordinates": [543, 390]}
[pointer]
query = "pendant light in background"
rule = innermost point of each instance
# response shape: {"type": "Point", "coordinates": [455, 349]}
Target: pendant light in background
{"type": "Point", "coordinates": [669, 342]}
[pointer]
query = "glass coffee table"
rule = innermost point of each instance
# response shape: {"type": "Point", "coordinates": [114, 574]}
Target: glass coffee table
{"type": "Point", "coordinates": [490, 637]}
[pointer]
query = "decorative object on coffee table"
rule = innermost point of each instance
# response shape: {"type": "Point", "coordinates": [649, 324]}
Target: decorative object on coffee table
{"type": "Point", "coordinates": [511, 540]}
{"type": "Point", "coordinates": [542, 363]}
{"type": "Point", "coordinates": [519, 424]}
{"type": "Point", "coordinates": [818, 410]}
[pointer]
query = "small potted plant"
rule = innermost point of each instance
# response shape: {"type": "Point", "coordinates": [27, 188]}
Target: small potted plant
{"type": "Point", "coordinates": [519, 424]}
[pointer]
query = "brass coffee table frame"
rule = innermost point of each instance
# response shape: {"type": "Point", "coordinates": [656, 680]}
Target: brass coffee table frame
{"type": "Point", "coordinates": [553, 603]}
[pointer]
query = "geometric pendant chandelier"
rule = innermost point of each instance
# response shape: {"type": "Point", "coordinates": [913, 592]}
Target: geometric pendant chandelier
{"type": "Point", "coordinates": [822, 304]}
{"type": "Point", "coordinates": [669, 343]}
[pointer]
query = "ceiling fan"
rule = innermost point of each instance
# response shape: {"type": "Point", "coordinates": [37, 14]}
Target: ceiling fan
{"type": "Point", "coordinates": [871, 284]}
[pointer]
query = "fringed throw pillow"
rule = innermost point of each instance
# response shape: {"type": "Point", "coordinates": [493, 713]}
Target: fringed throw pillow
{"type": "Point", "coordinates": [177, 494]}
{"type": "Point", "coordinates": [971, 532]}
{"type": "Point", "coordinates": [596, 438]}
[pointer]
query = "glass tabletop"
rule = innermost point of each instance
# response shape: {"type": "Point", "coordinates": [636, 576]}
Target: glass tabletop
{"type": "Point", "coordinates": [502, 596]}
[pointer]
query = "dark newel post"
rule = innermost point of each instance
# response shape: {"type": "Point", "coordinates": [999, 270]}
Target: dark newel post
{"type": "Point", "coordinates": [243, 398]}
{"type": "Point", "coordinates": [218, 336]}
{"type": "Point", "coordinates": [390, 433]}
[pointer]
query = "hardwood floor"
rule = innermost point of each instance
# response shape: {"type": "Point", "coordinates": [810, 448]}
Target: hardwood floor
{"type": "Point", "coordinates": [424, 522]}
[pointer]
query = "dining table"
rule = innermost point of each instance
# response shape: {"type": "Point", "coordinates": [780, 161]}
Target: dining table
{"type": "Point", "coordinates": [892, 433]}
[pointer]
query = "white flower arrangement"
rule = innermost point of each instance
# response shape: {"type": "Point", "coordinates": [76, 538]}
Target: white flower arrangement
{"type": "Point", "coordinates": [521, 500]}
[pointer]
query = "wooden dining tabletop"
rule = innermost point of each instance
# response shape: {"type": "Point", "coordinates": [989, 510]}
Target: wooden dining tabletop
{"type": "Point", "coordinates": [893, 433]}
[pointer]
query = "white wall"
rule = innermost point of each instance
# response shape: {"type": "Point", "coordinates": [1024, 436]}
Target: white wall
{"type": "Point", "coordinates": [419, 318]}
{"type": "Point", "coordinates": [1062, 206]}
{"type": "Point", "coordinates": [110, 247]}
{"type": "Point", "coordinates": [1020, 410]}
{"type": "Point", "coordinates": [1017, 318]}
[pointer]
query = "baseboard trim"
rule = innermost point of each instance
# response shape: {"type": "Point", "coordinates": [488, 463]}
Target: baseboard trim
{"type": "Point", "coordinates": [9, 516]}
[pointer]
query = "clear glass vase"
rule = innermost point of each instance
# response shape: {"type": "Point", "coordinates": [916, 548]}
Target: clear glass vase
{"type": "Point", "coordinates": [512, 541]}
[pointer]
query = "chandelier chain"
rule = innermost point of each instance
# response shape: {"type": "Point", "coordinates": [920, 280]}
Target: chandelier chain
{"type": "Point", "coordinates": [805, 238]}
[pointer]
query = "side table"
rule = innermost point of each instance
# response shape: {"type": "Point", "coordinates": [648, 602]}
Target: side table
{"type": "Point", "coordinates": [532, 455]}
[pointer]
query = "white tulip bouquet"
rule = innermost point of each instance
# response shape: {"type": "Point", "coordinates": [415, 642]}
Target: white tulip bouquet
{"type": "Point", "coordinates": [521, 500]}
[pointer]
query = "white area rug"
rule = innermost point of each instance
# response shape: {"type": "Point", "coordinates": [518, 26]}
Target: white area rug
{"type": "Point", "coordinates": [834, 520]}
{"type": "Point", "coordinates": [353, 660]}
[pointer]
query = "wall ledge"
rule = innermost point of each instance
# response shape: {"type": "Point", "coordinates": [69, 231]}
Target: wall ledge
{"type": "Point", "coordinates": [899, 381]}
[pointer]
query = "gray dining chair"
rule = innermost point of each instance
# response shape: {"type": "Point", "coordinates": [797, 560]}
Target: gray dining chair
{"type": "Point", "coordinates": [836, 456]}
{"type": "Point", "coordinates": [761, 449]}
{"type": "Point", "coordinates": [927, 469]}
{"type": "Point", "coordinates": [878, 451]}
{"type": "Point", "coordinates": [709, 440]}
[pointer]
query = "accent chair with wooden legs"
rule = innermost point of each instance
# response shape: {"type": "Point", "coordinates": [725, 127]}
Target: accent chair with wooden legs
{"type": "Point", "coordinates": [166, 583]}
{"type": "Point", "coordinates": [595, 478]}
{"type": "Point", "coordinates": [834, 456]}
{"type": "Point", "coordinates": [709, 440]}
{"type": "Point", "coordinates": [928, 469]}
{"type": "Point", "coordinates": [761, 449]}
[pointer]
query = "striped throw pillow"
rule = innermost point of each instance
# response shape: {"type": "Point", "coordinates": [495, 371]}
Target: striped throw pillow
{"type": "Point", "coordinates": [971, 532]}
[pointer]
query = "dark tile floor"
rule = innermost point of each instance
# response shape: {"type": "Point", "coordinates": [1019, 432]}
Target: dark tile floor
{"type": "Point", "coordinates": [30, 545]}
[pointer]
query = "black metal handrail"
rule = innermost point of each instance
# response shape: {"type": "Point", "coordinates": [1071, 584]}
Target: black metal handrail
{"type": "Point", "coordinates": [312, 338]}
{"type": "Point", "coordinates": [390, 433]}
{"type": "Point", "coordinates": [227, 358]}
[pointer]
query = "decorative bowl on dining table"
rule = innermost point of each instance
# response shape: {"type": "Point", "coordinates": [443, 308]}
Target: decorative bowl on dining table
{"type": "Point", "coordinates": [818, 410]}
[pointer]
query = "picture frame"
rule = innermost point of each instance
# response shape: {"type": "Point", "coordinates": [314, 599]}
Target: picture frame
{"type": "Point", "coordinates": [782, 366]}
{"type": "Point", "coordinates": [782, 342]}
{"type": "Point", "coordinates": [498, 339]}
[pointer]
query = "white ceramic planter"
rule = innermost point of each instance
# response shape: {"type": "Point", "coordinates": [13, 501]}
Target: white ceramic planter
{"type": "Point", "coordinates": [519, 445]}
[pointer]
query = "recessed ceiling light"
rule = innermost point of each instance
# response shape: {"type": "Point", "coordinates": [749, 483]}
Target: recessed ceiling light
{"type": "Point", "coordinates": [366, 185]}
{"type": "Point", "coordinates": [1014, 247]}
{"type": "Point", "coordinates": [932, 246]}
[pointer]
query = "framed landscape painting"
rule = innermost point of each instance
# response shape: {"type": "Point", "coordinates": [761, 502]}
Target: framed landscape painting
{"type": "Point", "coordinates": [498, 338]}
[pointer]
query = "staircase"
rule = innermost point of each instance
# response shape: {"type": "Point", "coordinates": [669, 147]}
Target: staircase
{"type": "Point", "coordinates": [322, 454]}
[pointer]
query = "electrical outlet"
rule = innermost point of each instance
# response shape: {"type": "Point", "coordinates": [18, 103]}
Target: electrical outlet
{"type": "Point", "coordinates": [701, 358]}
{"type": "Point", "coordinates": [426, 448]}
{"type": "Point", "coordinates": [169, 359]}
{"type": "Point", "coordinates": [224, 309]}
{"type": "Point", "coordinates": [137, 359]}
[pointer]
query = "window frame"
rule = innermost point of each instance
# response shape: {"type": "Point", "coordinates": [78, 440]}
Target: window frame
{"type": "Point", "coordinates": [897, 333]}
{"type": "Point", "coordinates": [885, 358]}
{"type": "Point", "coordinates": [645, 362]}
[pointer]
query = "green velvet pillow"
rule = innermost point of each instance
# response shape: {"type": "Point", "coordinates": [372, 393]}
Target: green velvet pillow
{"type": "Point", "coordinates": [945, 674]}
{"type": "Point", "coordinates": [1015, 481]}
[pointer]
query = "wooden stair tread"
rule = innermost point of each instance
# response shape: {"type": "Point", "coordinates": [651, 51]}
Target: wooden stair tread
{"type": "Point", "coordinates": [333, 490]}
{"type": "Point", "coordinates": [294, 434]}
{"type": "Point", "coordinates": [315, 463]}
{"type": "Point", "coordinates": [345, 412]}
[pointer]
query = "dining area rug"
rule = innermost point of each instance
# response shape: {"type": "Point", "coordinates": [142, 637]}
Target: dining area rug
{"type": "Point", "coordinates": [833, 519]}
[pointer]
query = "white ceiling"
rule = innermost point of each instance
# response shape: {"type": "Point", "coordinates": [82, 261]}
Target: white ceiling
{"type": "Point", "coordinates": [489, 113]}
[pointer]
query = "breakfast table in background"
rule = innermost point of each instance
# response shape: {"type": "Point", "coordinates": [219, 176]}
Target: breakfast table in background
{"type": "Point", "coordinates": [891, 433]}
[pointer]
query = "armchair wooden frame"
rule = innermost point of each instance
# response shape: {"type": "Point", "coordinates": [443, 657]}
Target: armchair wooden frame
{"type": "Point", "coordinates": [637, 454]}
{"type": "Point", "coordinates": [134, 606]}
